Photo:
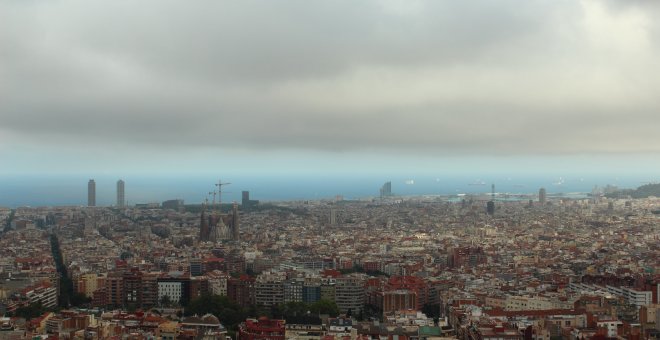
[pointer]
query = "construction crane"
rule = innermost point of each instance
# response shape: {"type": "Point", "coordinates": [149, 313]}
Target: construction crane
{"type": "Point", "coordinates": [214, 194]}
{"type": "Point", "coordinates": [220, 185]}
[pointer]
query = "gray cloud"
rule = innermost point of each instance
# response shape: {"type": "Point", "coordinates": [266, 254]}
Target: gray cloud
{"type": "Point", "coordinates": [506, 77]}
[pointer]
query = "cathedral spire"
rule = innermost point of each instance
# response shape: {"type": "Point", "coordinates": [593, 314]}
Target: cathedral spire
{"type": "Point", "coordinates": [204, 224]}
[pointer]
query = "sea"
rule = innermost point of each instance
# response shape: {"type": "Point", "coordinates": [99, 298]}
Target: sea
{"type": "Point", "coordinates": [59, 190]}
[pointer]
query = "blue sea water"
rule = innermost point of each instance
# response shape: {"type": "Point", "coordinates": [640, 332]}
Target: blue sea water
{"type": "Point", "coordinates": [72, 190]}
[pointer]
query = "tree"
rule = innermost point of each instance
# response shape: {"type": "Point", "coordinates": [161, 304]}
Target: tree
{"type": "Point", "coordinates": [165, 301]}
{"type": "Point", "coordinates": [293, 309]}
{"type": "Point", "coordinates": [79, 299]}
{"type": "Point", "coordinates": [31, 311]}
{"type": "Point", "coordinates": [276, 312]}
{"type": "Point", "coordinates": [431, 311]}
{"type": "Point", "coordinates": [228, 311]}
{"type": "Point", "coordinates": [325, 307]}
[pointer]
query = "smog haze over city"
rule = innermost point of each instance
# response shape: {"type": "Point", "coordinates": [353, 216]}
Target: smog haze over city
{"type": "Point", "coordinates": [334, 92]}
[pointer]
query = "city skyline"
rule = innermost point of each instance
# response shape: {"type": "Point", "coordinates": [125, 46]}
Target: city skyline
{"type": "Point", "coordinates": [340, 170]}
{"type": "Point", "coordinates": [554, 87]}
{"type": "Point", "coordinates": [70, 191]}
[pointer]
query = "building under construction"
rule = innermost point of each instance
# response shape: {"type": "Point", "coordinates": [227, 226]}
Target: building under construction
{"type": "Point", "coordinates": [214, 226]}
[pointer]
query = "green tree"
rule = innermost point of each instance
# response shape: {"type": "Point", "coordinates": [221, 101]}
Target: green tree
{"type": "Point", "coordinates": [165, 301]}
{"type": "Point", "coordinates": [276, 312]}
{"type": "Point", "coordinates": [431, 311]}
{"type": "Point", "coordinates": [32, 311]}
{"type": "Point", "coordinates": [324, 306]}
{"type": "Point", "coordinates": [294, 309]}
{"type": "Point", "coordinates": [79, 299]}
{"type": "Point", "coordinates": [228, 311]}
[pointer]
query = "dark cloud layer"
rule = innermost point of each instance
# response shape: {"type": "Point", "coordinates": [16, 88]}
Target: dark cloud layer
{"type": "Point", "coordinates": [505, 77]}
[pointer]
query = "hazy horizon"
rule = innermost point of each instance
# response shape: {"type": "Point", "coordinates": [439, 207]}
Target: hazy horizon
{"type": "Point", "coordinates": [373, 89]}
{"type": "Point", "coordinates": [72, 190]}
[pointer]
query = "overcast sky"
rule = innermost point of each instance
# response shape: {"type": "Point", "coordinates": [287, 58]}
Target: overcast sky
{"type": "Point", "coordinates": [197, 86]}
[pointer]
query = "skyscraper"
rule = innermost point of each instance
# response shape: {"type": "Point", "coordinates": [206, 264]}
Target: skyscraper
{"type": "Point", "coordinates": [91, 193]}
{"type": "Point", "coordinates": [386, 190]}
{"type": "Point", "coordinates": [245, 199]}
{"type": "Point", "coordinates": [246, 202]}
{"type": "Point", "coordinates": [120, 194]}
{"type": "Point", "coordinates": [542, 196]}
{"type": "Point", "coordinates": [490, 206]}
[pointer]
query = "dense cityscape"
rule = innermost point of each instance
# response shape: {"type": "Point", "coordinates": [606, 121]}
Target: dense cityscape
{"type": "Point", "coordinates": [391, 170]}
{"type": "Point", "coordinates": [386, 267]}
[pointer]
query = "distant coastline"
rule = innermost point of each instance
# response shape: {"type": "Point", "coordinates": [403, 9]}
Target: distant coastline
{"type": "Point", "coordinates": [71, 191]}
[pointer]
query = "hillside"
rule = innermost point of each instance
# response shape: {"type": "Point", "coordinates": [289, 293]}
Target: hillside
{"type": "Point", "coordinates": [644, 191]}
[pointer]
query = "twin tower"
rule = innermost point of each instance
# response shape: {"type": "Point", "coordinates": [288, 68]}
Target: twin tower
{"type": "Point", "coordinates": [91, 194]}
